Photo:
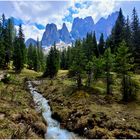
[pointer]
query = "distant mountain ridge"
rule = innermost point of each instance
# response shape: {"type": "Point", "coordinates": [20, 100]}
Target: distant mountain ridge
{"type": "Point", "coordinates": [80, 28]}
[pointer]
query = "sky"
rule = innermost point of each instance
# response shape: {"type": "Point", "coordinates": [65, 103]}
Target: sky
{"type": "Point", "coordinates": [36, 14]}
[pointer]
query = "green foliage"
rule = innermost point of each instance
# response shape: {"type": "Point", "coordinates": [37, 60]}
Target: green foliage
{"type": "Point", "coordinates": [118, 32]}
{"type": "Point", "coordinates": [98, 64]}
{"type": "Point", "coordinates": [90, 46]}
{"type": "Point", "coordinates": [19, 55]}
{"type": "Point", "coordinates": [78, 62]}
{"type": "Point", "coordinates": [2, 54]}
{"type": "Point", "coordinates": [6, 41]}
{"type": "Point", "coordinates": [52, 63]}
{"type": "Point", "coordinates": [94, 69]}
{"type": "Point", "coordinates": [101, 45]}
{"type": "Point", "coordinates": [35, 57]}
{"type": "Point", "coordinates": [124, 60]}
{"type": "Point", "coordinates": [127, 34]}
{"type": "Point", "coordinates": [135, 38]}
{"type": "Point", "coordinates": [63, 59]}
{"type": "Point", "coordinates": [129, 88]}
{"type": "Point", "coordinates": [109, 60]}
{"type": "Point", "coordinates": [30, 56]}
{"type": "Point", "coordinates": [123, 65]}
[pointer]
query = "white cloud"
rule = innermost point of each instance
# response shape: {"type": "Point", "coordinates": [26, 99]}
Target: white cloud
{"type": "Point", "coordinates": [96, 9]}
{"type": "Point", "coordinates": [44, 12]}
{"type": "Point", "coordinates": [30, 31]}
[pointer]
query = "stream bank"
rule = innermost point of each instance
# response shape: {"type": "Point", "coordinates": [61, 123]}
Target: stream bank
{"type": "Point", "coordinates": [53, 130]}
{"type": "Point", "coordinates": [18, 117]}
{"type": "Point", "coordinates": [90, 114]}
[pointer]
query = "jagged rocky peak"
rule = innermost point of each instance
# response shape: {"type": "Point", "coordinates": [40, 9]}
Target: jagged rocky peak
{"type": "Point", "coordinates": [51, 35]}
{"type": "Point", "coordinates": [64, 34]}
{"type": "Point", "coordinates": [81, 27]}
{"type": "Point", "coordinates": [105, 25]}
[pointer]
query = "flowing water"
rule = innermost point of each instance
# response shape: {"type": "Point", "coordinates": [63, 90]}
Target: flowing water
{"type": "Point", "coordinates": [53, 130]}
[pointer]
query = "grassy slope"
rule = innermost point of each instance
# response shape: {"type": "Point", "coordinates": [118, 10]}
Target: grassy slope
{"type": "Point", "coordinates": [90, 112]}
{"type": "Point", "coordinates": [18, 118]}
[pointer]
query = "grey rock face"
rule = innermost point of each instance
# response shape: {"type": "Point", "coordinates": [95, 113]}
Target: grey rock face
{"type": "Point", "coordinates": [64, 34]}
{"type": "Point", "coordinates": [81, 27]}
{"type": "Point", "coordinates": [51, 35]}
{"type": "Point", "coordinates": [105, 25]}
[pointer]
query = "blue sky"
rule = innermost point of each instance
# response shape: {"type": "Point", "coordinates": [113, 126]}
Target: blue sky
{"type": "Point", "coordinates": [36, 14]}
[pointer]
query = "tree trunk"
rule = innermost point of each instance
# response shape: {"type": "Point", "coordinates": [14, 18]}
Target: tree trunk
{"type": "Point", "coordinates": [125, 96]}
{"type": "Point", "coordinates": [79, 81]}
{"type": "Point", "coordinates": [89, 79]}
{"type": "Point", "coordinates": [108, 83]}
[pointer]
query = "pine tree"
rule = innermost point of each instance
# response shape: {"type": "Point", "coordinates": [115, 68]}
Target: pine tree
{"type": "Point", "coordinates": [118, 32]}
{"type": "Point", "coordinates": [101, 45]}
{"type": "Point", "coordinates": [52, 63]}
{"type": "Point", "coordinates": [19, 56]}
{"type": "Point", "coordinates": [98, 64]}
{"type": "Point", "coordinates": [22, 44]}
{"type": "Point", "coordinates": [8, 39]}
{"type": "Point", "coordinates": [63, 62]}
{"type": "Point", "coordinates": [30, 56]}
{"type": "Point", "coordinates": [135, 38]}
{"type": "Point", "coordinates": [94, 69]}
{"type": "Point", "coordinates": [35, 56]}
{"type": "Point", "coordinates": [124, 63]}
{"type": "Point", "coordinates": [90, 46]}
{"type": "Point", "coordinates": [40, 56]}
{"type": "Point", "coordinates": [2, 47]}
{"type": "Point", "coordinates": [95, 49]}
{"type": "Point", "coordinates": [69, 56]}
{"type": "Point", "coordinates": [128, 33]}
{"type": "Point", "coordinates": [2, 54]}
{"type": "Point", "coordinates": [109, 60]}
{"type": "Point", "coordinates": [78, 63]}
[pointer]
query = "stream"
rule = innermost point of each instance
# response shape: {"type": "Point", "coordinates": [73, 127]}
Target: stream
{"type": "Point", "coordinates": [53, 130]}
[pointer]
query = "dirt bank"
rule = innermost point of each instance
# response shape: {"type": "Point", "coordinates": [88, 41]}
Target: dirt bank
{"type": "Point", "coordinates": [90, 113]}
{"type": "Point", "coordinates": [18, 117]}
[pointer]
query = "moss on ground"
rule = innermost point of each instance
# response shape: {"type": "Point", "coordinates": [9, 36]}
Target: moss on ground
{"type": "Point", "coordinates": [18, 118]}
{"type": "Point", "coordinates": [90, 112]}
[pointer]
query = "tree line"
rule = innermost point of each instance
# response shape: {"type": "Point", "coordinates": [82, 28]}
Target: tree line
{"type": "Point", "coordinates": [13, 51]}
{"type": "Point", "coordinates": [87, 59]}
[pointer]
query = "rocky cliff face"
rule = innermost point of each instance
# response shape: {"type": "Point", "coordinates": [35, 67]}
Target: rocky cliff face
{"type": "Point", "coordinates": [80, 28]}
{"type": "Point", "coordinates": [64, 34]}
{"type": "Point", "coordinates": [51, 35]}
{"type": "Point", "coordinates": [105, 25]}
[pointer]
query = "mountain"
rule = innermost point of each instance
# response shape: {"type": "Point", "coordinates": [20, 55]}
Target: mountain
{"type": "Point", "coordinates": [50, 35]}
{"type": "Point", "coordinates": [30, 41]}
{"type": "Point", "coordinates": [105, 25]}
{"type": "Point", "coordinates": [64, 34]}
{"type": "Point", "coordinates": [81, 27]}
